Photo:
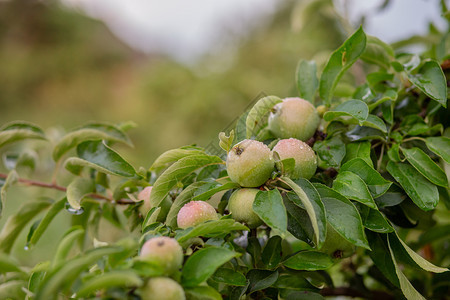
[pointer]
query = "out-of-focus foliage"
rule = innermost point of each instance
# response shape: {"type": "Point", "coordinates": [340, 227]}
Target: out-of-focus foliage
{"type": "Point", "coordinates": [60, 67]}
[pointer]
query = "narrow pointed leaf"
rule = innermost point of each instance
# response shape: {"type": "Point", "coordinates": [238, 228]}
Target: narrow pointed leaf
{"type": "Point", "coordinates": [306, 79]}
{"type": "Point", "coordinates": [310, 200]}
{"type": "Point", "coordinates": [203, 263]}
{"type": "Point", "coordinates": [375, 182]}
{"type": "Point", "coordinates": [269, 206]}
{"type": "Point", "coordinates": [19, 130]}
{"type": "Point", "coordinates": [89, 132]}
{"type": "Point", "coordinates": [422, 192]}
{"type": "Point", "coordinates": [176, 172]}
{"type": "Point", "coordinates": [15, 223]}
{"type": "Point", "coordinates": [353, 187]}
{"type": "Point", "coordinates": [77, 190]}
{"type": "Point", "coordinates": [341, 59]}
{"type": "Point", "coordinates": [426, 166]}
{"type": "Point", "coordinates": [113, 279]}
{"type": "Point", "coordinates": [431, 80]}
{"type": "Point", "coordinates": [343, 216]}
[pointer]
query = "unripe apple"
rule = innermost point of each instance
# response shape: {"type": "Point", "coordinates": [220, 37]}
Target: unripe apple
{"type": "Point", "coordinates": [194, 213]}
{"type": "Point", "coordinates": [336, 246]}
{"type": "Point", "coordinates": [294, 117]}
{"type": "Point", "coordinates": [250, 163]}
{"type": "Point", "coordinates": [240, 206]}
{"type": "Point", "coordinates": [164, 251]}
{"type": "Point", "coordinates": [162, 288]}
{"type": "Point", "coordinates": [146, 206]}
{"type": "Point", "coordinates": [304, 156]}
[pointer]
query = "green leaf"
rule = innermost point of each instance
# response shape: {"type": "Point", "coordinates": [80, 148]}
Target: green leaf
{"type": "Point", "coordinates": [229, 276]}
{"type": "Point", "coordinates": [407, 288]}
{"type": "Point", "coordinates": [69, 272]}
{"type": "Point", "coordinates": [358, 149]}
{"type": "Point", "coordinates": [394, 153]}
{"type": "Point", "coordinates": [375, 122]}
{"type": "Point", "coordinates": [184, 197]}
{"type": "Point", "coordinates": [343, 216]}
{"type": "Point", "coordinates": [378, 52]}
{"type": "Point", "coordinates": [309, 261]}
{"type": "Point", "coordinates": [426, 166]}
{"type": "Point", "coordinates": [8, 264]}
{"type": "Point", "coordinates": [226, 142]}
{"type": "Point", "coordinates": [341, 59]}
{"type": "Point", "coordinates": [374, 219]}
{"type": "Point", "coordinates": [203, 263]}
{"type": "Point", "coordinates": [353, 187]}
{"type": "Point", "coordinates": [97, 155]}
{"type": "Point", "coordinates": [12, 289]}
{"type": "Point", "coordinates": [431, 80]}
{"type": "Point", "coordinates": [210, 228]}
{"type": "Point", "coordinates": [177, 172]}
{"type": "Point", "coordinates": [261, 279]}
{"type": "Point", "coordinates": [16, 222]}
{"type": "Point", "coordinates": [255, 118]}
{"type": "Point", "coordinates": [400, 248]}
{"type": "Point", "coordinates": [299, 224]}
{"type": "Point", "coordinates": [293, 281]}
{"type": "Point", "coordinates": [171, 156]}
{"type": "Point", "coordinates": [19, 130]}
{"type": "Point", "coordinates": [330, 152]}
{"type": "Point", "coordinates": [112, 279]}
{"type": "Point", "coordinates": [4, 186]}
{"type": "Point", "coordinates": [310, 200]}
{"type": "Point", "coordinates": [77, 190]}
{"type": "Point", "coordinates": [89, 132]}
{"type": "Point", "coordinates": [202, 293]}
{"type": "Point", "coordinates": [422, 192]}
{"type": "Point", "coordinates": [271, 254]}
{"type": "Point", "coordinates": [151, 217]}
{"type": "Point", "coordinates": [269, 206]}
{"type": "Point", "coordinates": [65, 245]}
{"type": "Point", "coordinates": [54, 209]}
{"type": "Point", "coordinates": [375, 182]}
{"type": "Point", "coordinates": [306, 79]}
{"type": "Point", "coordinates": [356, 109]}
{"type": "Point", "coordinates": [441, 146]}
{"type": "Point", "coordinates": [214, 188]}
{"type": "Point", "coordinates": [381, 257]}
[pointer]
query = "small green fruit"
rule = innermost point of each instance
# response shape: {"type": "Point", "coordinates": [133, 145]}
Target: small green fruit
{"type": "Point", "coordinates": [240, 206]}
{"type": "Point", "coordinates": [164, 251]}
{"type": "Point", "coordinates": [294, 117]}
{"type": "Point", "coordinates": [302, 153]}
{"type": "Point", "coordinates": [162, 288]}
{"type": "Point", "coordinates": [146, 206]}
{"type": "Point", "coordinates": [194, 213]}
{"type": "Point", "coordinates": [321, 110]}
{"type": "Point", "coordinates": [250, 163]}
{"type": "Point", "coordinates": [336, 246]}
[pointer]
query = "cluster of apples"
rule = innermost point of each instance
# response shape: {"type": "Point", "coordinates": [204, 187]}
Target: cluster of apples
{"type": "Point", "coordinates": [250, 163]}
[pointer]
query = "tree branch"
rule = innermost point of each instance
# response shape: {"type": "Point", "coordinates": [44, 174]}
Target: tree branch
{"type": "Point", "coordinates": [30, 182]}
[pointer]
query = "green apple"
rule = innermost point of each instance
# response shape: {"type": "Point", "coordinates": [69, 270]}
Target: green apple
{"type": "Point", "coordinates": [294, 118]}
{"type": "Point", "coordinates": [303, 155]}
{"type": "Point", "coordinates": [240, 206]}
{"type": "Point", "coordinates": [163, 251]}
{"type": "Point", "coordinates": [250, 163]}
{"type": "Point", "coordinates": [194, 213]}
{"type": "Point", "coordinates": [162, 288]}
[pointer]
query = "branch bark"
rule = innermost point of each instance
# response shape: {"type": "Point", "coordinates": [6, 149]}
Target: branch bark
{"type": "Point", "coordinates": [30, 182]}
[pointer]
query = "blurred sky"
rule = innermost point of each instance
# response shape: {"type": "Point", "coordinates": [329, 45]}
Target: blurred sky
{"type": "Point", "coordinates": [187, 30]}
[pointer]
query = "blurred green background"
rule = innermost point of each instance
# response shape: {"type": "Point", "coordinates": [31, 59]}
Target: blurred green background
{"type": "Point", "coordinates": [61, 69]}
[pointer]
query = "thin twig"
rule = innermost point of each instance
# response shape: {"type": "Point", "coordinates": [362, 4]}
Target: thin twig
{"type": "Point", "coordinates": [30, 182]}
